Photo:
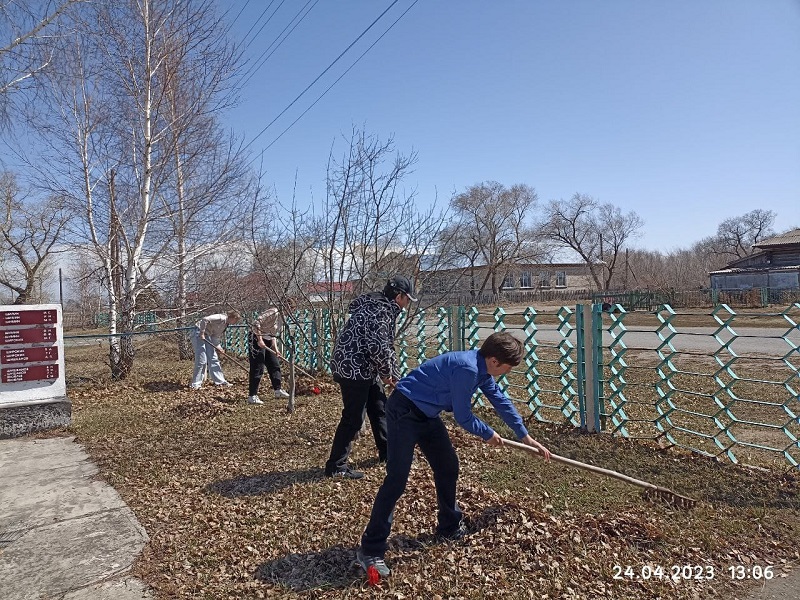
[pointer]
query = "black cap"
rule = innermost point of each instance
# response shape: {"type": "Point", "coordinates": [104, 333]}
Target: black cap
{"type": "Point", "coordinates": [402, 285]}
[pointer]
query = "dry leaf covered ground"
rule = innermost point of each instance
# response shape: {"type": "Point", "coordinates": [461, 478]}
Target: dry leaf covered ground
{"type": "Point", "coordinates": [236, 506]}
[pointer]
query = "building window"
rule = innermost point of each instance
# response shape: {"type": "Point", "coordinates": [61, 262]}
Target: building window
{"type": "Point", "coordinates": [508, 282]}
{"type": "Point", "coordinates": [544, 279]}
{"type": "Point", "coordinates": [525, 279]}
{"type": "Point", "coordinates": [561, 279]}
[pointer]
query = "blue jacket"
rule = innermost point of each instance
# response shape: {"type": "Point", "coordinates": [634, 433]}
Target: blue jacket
{"type": "Point", "coordinates": [447, 382]}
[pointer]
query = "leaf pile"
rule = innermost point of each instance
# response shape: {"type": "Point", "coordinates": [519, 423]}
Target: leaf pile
{"type": "Point", "coordinates": [236, 505]}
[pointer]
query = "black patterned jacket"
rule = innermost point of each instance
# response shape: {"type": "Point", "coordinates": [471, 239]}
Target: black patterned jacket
{"type": "Point", "coordinates": [365, 346]}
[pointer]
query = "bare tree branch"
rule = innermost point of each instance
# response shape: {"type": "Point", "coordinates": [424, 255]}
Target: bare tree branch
{"type": "Point", "coordinates": [598, 233]}
{"type": "Point", "coordinates": [29, 233]}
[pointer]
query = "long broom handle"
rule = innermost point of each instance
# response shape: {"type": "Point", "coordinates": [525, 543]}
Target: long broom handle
{"type": "Point", "coordinates": [278, 354]}
{"type": "Point", "coordinates": [586, 467]}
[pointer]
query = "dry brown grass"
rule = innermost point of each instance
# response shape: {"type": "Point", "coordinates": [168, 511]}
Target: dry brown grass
{"type": "Point", "coordinates": [235, 504]}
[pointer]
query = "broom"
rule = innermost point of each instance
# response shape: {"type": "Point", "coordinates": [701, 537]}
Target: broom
{"type": "Point", "coordinates": [650, 490]}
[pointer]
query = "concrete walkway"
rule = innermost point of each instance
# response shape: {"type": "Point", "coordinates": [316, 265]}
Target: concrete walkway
{"type": "Point", "coordinates": [781, 588]}
{"type": "Point", "coordinates": [63, 534]}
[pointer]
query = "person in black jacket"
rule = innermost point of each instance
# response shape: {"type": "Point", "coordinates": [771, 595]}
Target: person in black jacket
{"type": "Point", "coordinates": [363, 361]}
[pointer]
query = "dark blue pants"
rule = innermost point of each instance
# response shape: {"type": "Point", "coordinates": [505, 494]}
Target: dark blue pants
{"type": "Point", "coordinates": [407, 426]}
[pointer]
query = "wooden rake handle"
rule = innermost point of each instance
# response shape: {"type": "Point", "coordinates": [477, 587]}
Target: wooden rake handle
{"type": "Point", "coordinates": [656, 490]}
{"type": "Point", "coordinates": [231, 359]}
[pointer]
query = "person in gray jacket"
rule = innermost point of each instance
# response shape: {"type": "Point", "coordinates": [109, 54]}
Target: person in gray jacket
{"type": "Point", "coordinates": [207, 337]}
{"type": "Point", "coordinates": [363, 361]}
{"type": "Point", "coordinates": [264, 353]}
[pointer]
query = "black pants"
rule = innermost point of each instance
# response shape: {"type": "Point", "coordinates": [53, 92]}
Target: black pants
{"type": "Point", "coordinates": [407, 427]}
{"type": "Point", "coordinates": [358, 397]}
{"type": "Point", "coordinates": [260, 358]}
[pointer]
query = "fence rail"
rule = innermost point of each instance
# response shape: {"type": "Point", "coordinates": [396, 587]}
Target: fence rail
{"type": "Point", "coordinates": [704, 298]}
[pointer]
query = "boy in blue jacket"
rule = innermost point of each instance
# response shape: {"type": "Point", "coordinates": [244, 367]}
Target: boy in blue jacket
{"type": "Point", "coordinates": [443, 383]}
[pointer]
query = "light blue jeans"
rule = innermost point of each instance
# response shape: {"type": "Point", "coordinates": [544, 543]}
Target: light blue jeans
{"type": "Point", "coordinates": [205, 355]}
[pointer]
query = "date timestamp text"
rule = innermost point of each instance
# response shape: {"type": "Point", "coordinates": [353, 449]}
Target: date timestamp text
{"type": "Point", "coordinates": [690, 572]}
{"type": "Point", "coordinates": [674, 572]}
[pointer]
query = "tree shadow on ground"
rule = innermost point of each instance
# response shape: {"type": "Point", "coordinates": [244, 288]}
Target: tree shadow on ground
{"type": "Point", "coordinates": [164, 386]}
{"type": "Point", "coordinates": [266, 483]}
{"type": "Point", "coordinates": [335, 567]}
{"type": "Point", "coordinates": [332, 568]}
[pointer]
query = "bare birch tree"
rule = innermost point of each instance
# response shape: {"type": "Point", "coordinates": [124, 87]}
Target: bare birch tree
{"type": "Point", "coordinates": [112, 135]}
{"type": "Point", "coordinates": [207, 189]}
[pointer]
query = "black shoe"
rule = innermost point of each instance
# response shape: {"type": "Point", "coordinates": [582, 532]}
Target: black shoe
{"type": "Point", "coordinates": [456, 535]}
{"type": "Point", "coordinates": [346, 473]}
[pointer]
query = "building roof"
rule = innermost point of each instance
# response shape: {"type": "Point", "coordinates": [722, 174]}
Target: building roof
{"type": "Point", "coordinates": [789, 238]}
{"type": "Point", "coordinates": [765, 269]}
{"type": "Point", "coordinates": [508, 266]}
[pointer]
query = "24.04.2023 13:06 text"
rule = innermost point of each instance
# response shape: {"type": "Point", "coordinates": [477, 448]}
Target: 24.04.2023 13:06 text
{"type": "Point", "coordinates": [693, 572]}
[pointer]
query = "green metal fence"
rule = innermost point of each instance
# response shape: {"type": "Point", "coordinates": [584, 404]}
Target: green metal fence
{"type": "Point", "coordinates": [715, 382]}
{"type": "Point", "coordinates": [673, 378]}
{"type": "Point", "coordinates": [693, 388]}
{"type": "Point", "coordinates": [737, 298]}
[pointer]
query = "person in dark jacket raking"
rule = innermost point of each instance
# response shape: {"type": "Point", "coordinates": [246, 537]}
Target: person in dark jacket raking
{"type": "Point", "coordinates": [363, 361]}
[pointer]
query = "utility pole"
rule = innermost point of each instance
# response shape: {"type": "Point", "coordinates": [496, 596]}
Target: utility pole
{"type": "Point", "coordinates": [626, 270]}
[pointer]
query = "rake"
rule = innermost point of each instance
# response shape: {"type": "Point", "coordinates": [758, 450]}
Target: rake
{"type": "Point", "coordinates": [651, 491]}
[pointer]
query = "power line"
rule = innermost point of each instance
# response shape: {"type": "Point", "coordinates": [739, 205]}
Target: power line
{"type": "Point", "coordinates": [328, 68]}
{"type": "Point", "coordinates": [250, 73]}
{"type": "Point", "coordinates": [246, 43]}
{"type": "Point", "coordinates": [229, 24]}
{"type": "Point", "coordinates": [260, 29]}
{"type": "Point", "coordinates": [239, 14]}
{"type": "Point", "coordinates": [339, 78]}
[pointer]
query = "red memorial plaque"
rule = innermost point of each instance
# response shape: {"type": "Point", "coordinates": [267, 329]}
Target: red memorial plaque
{"type": "Point", "coordinates": [28, 317]}
{"type": "Point", "coordinates": [32, 373]}
{"type": "Point", "coordinates": [25, 355]}
{"type": "Point", "coordinates": [27, 336]}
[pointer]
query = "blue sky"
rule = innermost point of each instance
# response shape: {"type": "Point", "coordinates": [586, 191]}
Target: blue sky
{"type": "Point", "coordinates": [687, 111]}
